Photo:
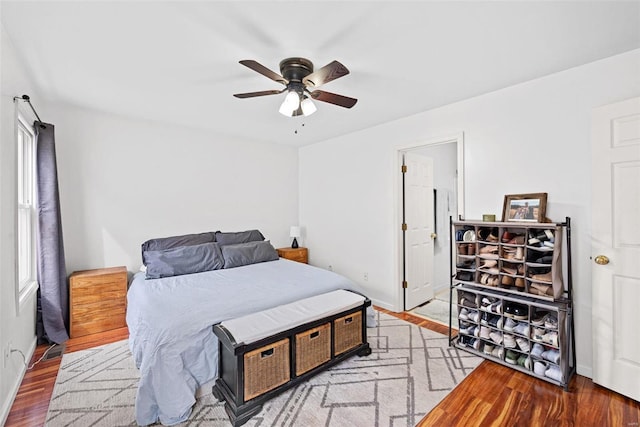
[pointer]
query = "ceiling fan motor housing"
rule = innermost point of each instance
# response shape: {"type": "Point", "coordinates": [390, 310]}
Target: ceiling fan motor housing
{"type": "Point", "coordinates": [295, 69]}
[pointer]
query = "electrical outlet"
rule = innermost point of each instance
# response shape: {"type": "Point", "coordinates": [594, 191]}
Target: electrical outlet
{"type": "Point", "coordinates": [366, 276]}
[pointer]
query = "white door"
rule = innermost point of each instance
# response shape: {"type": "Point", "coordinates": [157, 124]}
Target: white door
{"type": "Point", "coordinates": [419, 217]}
{"type": "Point", "coordinates": [616, 246]}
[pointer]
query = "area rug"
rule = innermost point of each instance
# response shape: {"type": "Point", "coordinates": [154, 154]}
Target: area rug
{"type": "Point", "coordinates": [410, 370]}
{"type": "Point", "coordinates": [437, 310]}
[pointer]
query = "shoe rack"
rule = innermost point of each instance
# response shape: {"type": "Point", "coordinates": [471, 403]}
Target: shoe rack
{"type": "Point", "coordinates": [512, 300]}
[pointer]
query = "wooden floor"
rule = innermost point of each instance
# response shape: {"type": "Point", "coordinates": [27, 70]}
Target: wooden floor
{"type": "Point", "coordinates": [492, 395]}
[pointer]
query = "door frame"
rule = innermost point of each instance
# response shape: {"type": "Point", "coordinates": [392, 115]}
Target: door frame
{"type": "Point", "coordinates": [399, 150]}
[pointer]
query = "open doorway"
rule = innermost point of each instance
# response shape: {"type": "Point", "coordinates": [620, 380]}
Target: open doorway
{"type": "Point", "coordinates": [445, 155]}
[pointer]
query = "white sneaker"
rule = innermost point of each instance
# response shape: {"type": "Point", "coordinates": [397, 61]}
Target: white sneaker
{"type": "Point", "coordinates": [522, 329]}
{"type": "Point", "coordinates": [540, 368]}
{"type": "Point", "coordinates": [538, 333]}
{"type": "Point", "coordinates": [509, 324]}
{"type": "Point", "coordinates": [509, 341]}
{"type": "Point", "coordinates": [523, 344]}
{"type": "Point", "coordinates": [537, 350]}
{"type": "Point", "coordinates": [554, 373]}
{"type": "Point", "coordinates": [496, 337]}
{"type": "Point", "coordinates": [551, 338]}
{"type": "Point", "coordinates": [485, 332]}
{"type": "Point", "coordinates": [474, 316]}
{"type": "Point", "coordinates": [464, 314]}
{"type": "Point", "coordinates": [552, 356]}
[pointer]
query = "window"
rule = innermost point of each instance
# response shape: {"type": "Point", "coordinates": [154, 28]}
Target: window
{"type": "Point", "coordinates": [26, 207]}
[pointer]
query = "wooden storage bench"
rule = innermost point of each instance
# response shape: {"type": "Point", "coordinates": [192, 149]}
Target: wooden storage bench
{"type": "Point", "coordinates": [264, 353]}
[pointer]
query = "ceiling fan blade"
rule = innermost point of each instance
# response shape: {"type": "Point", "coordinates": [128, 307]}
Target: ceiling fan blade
{"type": "Point", "coordinates": [259, 68]}
{"type": "Point", "coordinates": [325, 74]}
{"type": "Point", "coordinates": [254, 94]}
{"type": "Point", "coordinates": [332, 98]}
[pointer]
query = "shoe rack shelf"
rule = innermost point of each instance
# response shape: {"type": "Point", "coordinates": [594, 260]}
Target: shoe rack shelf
{"type": "Point", "coordinates": [513, 303]}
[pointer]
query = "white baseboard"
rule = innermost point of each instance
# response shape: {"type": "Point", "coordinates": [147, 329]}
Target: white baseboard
{"type": "Point", "coordinates": [6, 405]}
{"type": "Point", "coordinates": [382, 304]}
{"type": "Point", "coordinates": [585, 371]}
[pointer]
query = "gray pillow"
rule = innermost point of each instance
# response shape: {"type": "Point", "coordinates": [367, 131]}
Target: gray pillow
{"type": "Point", "coordinates": [176, 241]}
{"type": "Point", "coordinates": [248, 253]}
{"type": "Point", "coordinates": [183, 260]}
{"type": "Point", "coordinates": [233, 238]}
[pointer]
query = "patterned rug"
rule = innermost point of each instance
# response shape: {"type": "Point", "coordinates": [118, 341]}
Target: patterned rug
{"type": "Point", "coordinates": [409, 372]}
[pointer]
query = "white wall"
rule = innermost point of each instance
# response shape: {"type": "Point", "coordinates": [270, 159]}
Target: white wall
{"type": "Point", "coordinates": [17, 323]}
{"type": "Point", "coordinates": [529, 138]}
{"type": "Point", "coordinates": [124, 181]}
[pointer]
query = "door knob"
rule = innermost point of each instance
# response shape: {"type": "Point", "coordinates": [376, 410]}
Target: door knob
{"type": "Point", "coordinates": [434, 235]}
{"type": "Point", "coordinates": [601, 260]}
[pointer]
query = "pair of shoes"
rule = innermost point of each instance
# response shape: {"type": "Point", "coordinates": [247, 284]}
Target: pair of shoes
{"type": "Point", "coordinates": [554, 373]}
{"type": "Point", "coordinates": [465, 276]}
{"type": "Point", "coordinates": [496, 337]}
{"type": "Point", "coordinates": [516, 311]}
{"type": "Point", "coordinates": [494, 322]}
{"type": "Point", "coordinates": [524, 361]}
{"type": "Point", "coordinates": [489, 279]}
{"type": "Point", "coordinates": [540, 289]}
{"type": "Point", "coordinates": [509, 324]}
{"type": "Point", "coordinates": [491, 304]}
{"type": "Point", "coordinates": [488, 263]}
{"type": "Point", "coordinates": [488, 348]}
{"type": "Point", "coordinates": [466, 328]}
{"type": "Point", "coordinates": [539, 317]}
{"type": "Point", "coordinates": [489, 249]}
{"type": "Point", "coordinates": [522, 329]}
{"type": "Point", "coordinates": [506, 236]}
{"type": "Point", "coordinates": [509, 341]}
{"type": "Point", "coordinates": [540, 368]}
{"type": "Point", "coordinates": [468, 300]}
{"type": "Point", "coordinates": [550, 338]}
{"type": "Point", "coordinates": [463, 314]}
{"type": "Point", "coordinates": [523, 344]}
{"type": "Point", "coordinates": [543, 277]}
{"type": "Point", "coordinates": [516, 240]}
{"type": "Point", "coordinates": [551, 321]}
{"type": "Point", "coordinates": [497, 352]}
{"type": "Point", "coordinates": [474, 316]}
{"type": "Point", "coordinates": [506, 282]}
{"type": "Point", "coordinates": [552, 356]}
{"type": "Point", "coordinates": [485, 332]}
{"type": "Point", "coordinates": [511, 357]}
{"type": "Point", "coordinates": [537, 350]}
{"type": "Point", "coordinates": [468, 264]}
{"type": "Point", "coordinates": [538, 333]}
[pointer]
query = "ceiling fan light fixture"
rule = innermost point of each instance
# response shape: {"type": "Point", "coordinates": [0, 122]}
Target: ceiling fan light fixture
{"type": "Point", "coordinates": [307, 106]}
{"type": "Point", "coordinates": [290, 104]}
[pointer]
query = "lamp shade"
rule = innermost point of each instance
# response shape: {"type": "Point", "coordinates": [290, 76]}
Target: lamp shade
{"type": "Point", "coordinates": [308, 107]}
{"type": "Point", "coordinates": [294, 231]}
{"type": "Point", "coordinates": [290, 104]}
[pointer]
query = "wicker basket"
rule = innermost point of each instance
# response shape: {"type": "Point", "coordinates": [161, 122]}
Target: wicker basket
{"type": "Point", "coordinates": [313, 348]}
{"type": "Point", "coordinates": [348, 332]}
{"type": "Point", "coordinates": [266, 368]}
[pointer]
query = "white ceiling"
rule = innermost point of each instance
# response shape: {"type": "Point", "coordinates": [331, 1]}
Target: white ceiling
{"type": "Point", "coordinates": [177, 62]}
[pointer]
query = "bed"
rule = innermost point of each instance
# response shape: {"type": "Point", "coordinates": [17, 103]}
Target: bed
{"type": "Point", "coordinates": [170, 324]}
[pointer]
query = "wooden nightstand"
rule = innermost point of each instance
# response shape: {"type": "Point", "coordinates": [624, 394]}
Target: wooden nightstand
{"type": "Point", "coordinates": [97, 300]}
{"type": "Point", "coordinates": [297, 254]}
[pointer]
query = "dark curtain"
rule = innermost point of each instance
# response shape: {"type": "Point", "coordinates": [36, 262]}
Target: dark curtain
{"type": "Point", "coordinates": [53, 306]}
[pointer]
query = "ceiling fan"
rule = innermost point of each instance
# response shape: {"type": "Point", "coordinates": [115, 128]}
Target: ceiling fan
{"type": "Point", "coordinates": [300, 80]}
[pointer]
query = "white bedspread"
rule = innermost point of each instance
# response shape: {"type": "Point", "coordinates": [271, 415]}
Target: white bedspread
{"type": "Point", "coordinates": [170, 325]}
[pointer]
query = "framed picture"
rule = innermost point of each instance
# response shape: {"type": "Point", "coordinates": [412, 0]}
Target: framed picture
{"type": "Point", "coordinates": [525, 207]}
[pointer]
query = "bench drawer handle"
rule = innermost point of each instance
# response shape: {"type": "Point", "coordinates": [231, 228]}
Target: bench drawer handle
{"type": "Point", "coordinates": [314, 334]}
{"type": "Point", "coordinates": [267, 353]}
{"type": "Point", "coordinates": [348, 320]}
